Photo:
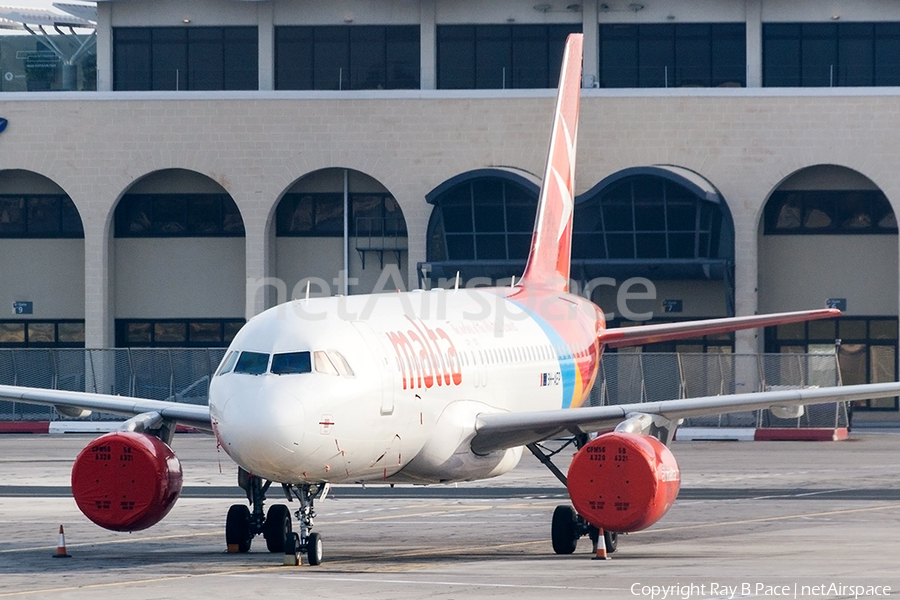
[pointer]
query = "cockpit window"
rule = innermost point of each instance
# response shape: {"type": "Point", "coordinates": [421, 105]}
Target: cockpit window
{"type": "Point", "coordinates": [341, 363]}
{"type": "Point", "coordinates": [291, 363]}
{"type": "Point", "coordinates": [228, 363]}
{"type": "Point", "coordinates": [252, 363]}
{"type": "Point", "coordinates": [324, 364]}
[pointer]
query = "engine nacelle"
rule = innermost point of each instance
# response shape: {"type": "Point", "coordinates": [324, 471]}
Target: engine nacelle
{"type": "Point", "coordinates": [126, 481]}
{"type": "Point", "coordinates": [623, 482]}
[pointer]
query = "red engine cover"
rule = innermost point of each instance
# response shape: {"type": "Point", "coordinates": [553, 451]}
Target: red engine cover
{"type": "Point", "coordinates": [623, 482]}
{"type": "Point", "coordinates": [126, 481]}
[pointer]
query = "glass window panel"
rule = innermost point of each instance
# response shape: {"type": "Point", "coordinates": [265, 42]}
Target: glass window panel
{"type": "Point", "coordinates": [368, 215]}
{"type": "Point", "coordinates": [169, 55]}
{"type": "Point", "coordinates": [298, 214]}
{"type": "Point", "coordinates": [649, 215]}
{"type": "Point", "coordinates": [790, 331]}
{"type": "Point", "coordinates": [822, 330]}
{"type": "Point", "coordinates": [887, 58]}
{"type": "Point", "coordinates": [241, 58]}
{"type": "Point", "coordinates": [856, 66]}
{"type": "Point", "coordinates": [231, 217]}
{"type": "Point", "coordinates": [12, 215]}
{"type": "Point", "coordinates": [493, 57]}
{"type": "Point", "coordinates": [169, 332]}
{"type": "Point", "coordinates": [620, 245]}
{"type": "Point", "coordinates": [681, 245]}
{"type": "Point", "coordinates": [367, 58]}
{"type": "Point", "coordinates": [205, 59]}
{"type": "Point", "coordinates": [781, 62]}
{"type": "Point", "coordinates": [818, 61]}
{"type": "Point", "coordinates": [139, 333]}
{"type": "Point", "coordinates": [329, 214]}
{"type": "Point", "coordinates": [231, 330]}
{"type": "Point", "coordinates": [205, 333]}
{"type": "Point", "coordinates": [651, 245]}
{"type": "Point", "coordinates": [252, 363]}
{"type": "Point", "coordinates": [818, 212]}
{"type": "Point", "coordinates": [131, 58]}
{"type": "Point", "coordinates": [402, 57]}
{"type": "Point", "coordinates": [341, 363]}
{"type": "Point", "coordinates": [324, 364]}
{"type": "Point", "coordinates": [883, 329]}
{"type": "Point", "coordinates": [136, 212]}
{"type": "Point", "coordinates": [852, 360]}
{"type": "Point", "coordinates": [460, 247]}
{"type": "Point", "coordinates": [729, 55]}
{"type": "Point", "coordinates": [530, 63]}
{"type": "Point", "coordinates": [787, 212]}
{"type": "Point", "coordinates": [228, 362]}
{"type": "Point", "coordinates": [520, 218]}
{"type": "Point", "coordinates": [618, 56]}
{"type": "Point", "coordinates": [519, 244]}
{"type": "Point", "coordinates": [204, 214]}
{"type": "Point", "coordinates": [693, 56]}
{"type": "Point", "coordinates": [681, 216]}
{"type": "Point", "coordinates": [331, 58]}
{"type": "Point", "coordinates": [41, 333]}
{"type": "Point", "coordinates": [490, 247]}
{"type": "Point", "coordinates": [71, 220]}
{"type": "Point", "coordinates": [169, 214]}
{"type": "Point", "coordinates": [656, 56]}
{"type": "Point", "coordinates": [293, 58]}
{"type": "Point", "coordinates": [291, 363]}
{"type": "Point", "coordinates": [882, 214]}
{"type": "Point", "coordinates": [488, 217]}
{"type": "Point", "coordinates": [456, 57]}
{"type": "Point", "coordinates": [852, 329]}
{"type": "Point", "coordinates": [44, 215]}
{"type": "Point", "coordinates": [396, 224]}
{"type": "Point", "coordinates": [12, 333]}
{"type": "Point", "coordinates": [70, 333]}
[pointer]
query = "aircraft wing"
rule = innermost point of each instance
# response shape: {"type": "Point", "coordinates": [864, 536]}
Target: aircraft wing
{"type": "Point", "coordinates": [663, 332]}
{"type": "Point", "coordinates": [496, 431]}
{"type": "Point", "coordinates": [192, 415]}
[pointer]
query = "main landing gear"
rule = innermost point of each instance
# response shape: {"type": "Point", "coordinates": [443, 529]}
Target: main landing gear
{"type": "Point", "coordinates": [567, 526]}
{"type": "Point", "coordinates": [243, 523]}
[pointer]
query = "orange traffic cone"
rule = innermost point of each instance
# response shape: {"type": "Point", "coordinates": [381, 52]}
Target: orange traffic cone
{"type": "Point", "coordinates": [61, 546]}
{"type": "Point", "coordinates": [601, 547]}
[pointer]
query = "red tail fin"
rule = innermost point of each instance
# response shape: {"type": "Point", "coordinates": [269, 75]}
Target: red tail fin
{"type": "Point", "coordinates": [551, 246]}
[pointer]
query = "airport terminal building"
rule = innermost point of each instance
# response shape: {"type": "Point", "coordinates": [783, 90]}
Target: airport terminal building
{"type": "Point", "coordinates": [741, 156]}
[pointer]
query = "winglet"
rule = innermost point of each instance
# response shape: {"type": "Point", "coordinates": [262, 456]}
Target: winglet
{"type": "Point", "coordinates": [551, 246]}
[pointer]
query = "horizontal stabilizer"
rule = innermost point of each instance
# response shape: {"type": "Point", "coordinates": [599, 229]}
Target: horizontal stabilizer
{"type": "Point", "coordinates": [663, 332]}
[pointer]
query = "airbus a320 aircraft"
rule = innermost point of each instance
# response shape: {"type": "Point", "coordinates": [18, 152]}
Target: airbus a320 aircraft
{"type": "Point", "coordinates": [422, 387]}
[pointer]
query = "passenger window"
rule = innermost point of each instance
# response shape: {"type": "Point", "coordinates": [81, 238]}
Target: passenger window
{"type": "Point", "coordinates": [252, 363]}
{"type": "Point", "coordinates": [341, 363]}
{"type": "Point", "coordinates": [228, 362]}
{"type": "Point", "coordinates": [291, 363]}
{"type": "Point", "coordinates": [324, 364]}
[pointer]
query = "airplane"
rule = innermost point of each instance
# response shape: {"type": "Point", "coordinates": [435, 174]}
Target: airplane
{"type": "Point", "coordinates": [423, 387]}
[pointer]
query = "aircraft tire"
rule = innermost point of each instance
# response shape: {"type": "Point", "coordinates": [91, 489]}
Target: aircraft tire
{"type": "Point", "coordinates": [314, 549]}
{"type": "Point", "coordinates": [564, 530]}
{"type": "Point", "coordinates": [612, 540]}
{"type": "Point", "coordinates": [237, 527]}
{"type": "Point", "coordinates": [277, 527]}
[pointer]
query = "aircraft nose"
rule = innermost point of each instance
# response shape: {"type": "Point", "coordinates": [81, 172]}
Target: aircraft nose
{"type": "Point", "coordinates": [262, 431]}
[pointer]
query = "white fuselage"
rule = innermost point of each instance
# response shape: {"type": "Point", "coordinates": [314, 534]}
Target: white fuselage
{"type": "Point", "coordinates": [420, 367]}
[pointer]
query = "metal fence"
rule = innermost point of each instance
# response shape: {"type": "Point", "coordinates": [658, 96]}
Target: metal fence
{"type": "Point", "coordinates": [627, 377]}
{"type": "Point", "coordinates": [183, 375]}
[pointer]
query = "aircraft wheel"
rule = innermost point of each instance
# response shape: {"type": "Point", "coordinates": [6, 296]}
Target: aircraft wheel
{"type": "Point", "coordinates": [277, 527]}
{"type": "Point", "coordinates": [237, 527]}
{"type": "Point", "coordinates": [314, 549]}
{"type": "Point", "coordinates": [612, 540]}
{"type": "Point", "coordinates": [564, 530]}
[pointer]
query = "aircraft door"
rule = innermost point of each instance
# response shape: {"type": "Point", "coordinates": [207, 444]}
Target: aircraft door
{"type": "Point", "coordinates": [384, 365]}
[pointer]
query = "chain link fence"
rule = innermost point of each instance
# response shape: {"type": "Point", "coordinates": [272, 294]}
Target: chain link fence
{"type": "Point", "coordinates": [627, 377]}
{"type": "Point", "coordinates": [183, 375]}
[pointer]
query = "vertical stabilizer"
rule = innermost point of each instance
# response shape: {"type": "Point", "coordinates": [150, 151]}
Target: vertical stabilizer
{"type": "Point", "coordinates": [551, 246]}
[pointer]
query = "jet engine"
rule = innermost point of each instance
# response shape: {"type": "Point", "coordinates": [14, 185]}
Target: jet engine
{"type": "Point", "coordinates": [623, 482]}
{"type": "Point", "coordinates": [126, 481]}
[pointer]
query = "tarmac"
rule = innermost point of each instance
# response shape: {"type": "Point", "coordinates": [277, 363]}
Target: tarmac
{"type": "Point", "coordinates": [753, 520]}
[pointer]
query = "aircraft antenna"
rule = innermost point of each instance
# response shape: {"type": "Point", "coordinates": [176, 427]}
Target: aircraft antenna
{"type": "Point", "coordinates": [307, 290]}
{"type": "Point", "coordinates": [456, 287]}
